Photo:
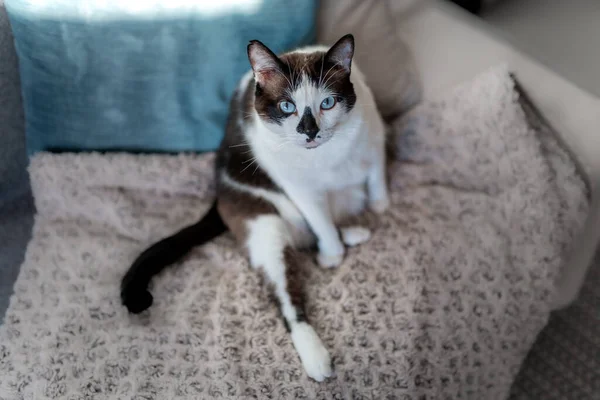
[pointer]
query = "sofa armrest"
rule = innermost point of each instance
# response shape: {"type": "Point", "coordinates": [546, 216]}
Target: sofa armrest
{"type": "Point", "coordinates": [451, 46]}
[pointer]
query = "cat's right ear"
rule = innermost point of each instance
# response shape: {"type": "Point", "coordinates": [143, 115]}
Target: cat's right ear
{"type": "Point", "coordinates": [263, 61]}
{"type": "Point", "coordinates": [341, 52]}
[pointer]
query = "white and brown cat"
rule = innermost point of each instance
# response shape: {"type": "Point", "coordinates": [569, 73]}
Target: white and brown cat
{"type": "Point", "coordinates": [303, 149]}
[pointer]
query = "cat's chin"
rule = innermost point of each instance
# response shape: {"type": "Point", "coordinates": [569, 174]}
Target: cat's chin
{"type": "Point", "coordinates": [312, 145]}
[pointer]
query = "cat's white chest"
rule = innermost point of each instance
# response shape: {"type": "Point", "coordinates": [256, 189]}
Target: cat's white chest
{"type": "Point", "coordinates": [334, 166]}
{"type": "Point", "coordinates": [350, 170]}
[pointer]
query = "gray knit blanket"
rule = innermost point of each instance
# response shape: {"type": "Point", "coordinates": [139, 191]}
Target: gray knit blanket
{"type": "Point", "coordinates": [443, 303]}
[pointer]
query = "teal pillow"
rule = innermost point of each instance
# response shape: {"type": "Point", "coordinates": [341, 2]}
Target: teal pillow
{"type": "Point", "coordinates": [133, 75]}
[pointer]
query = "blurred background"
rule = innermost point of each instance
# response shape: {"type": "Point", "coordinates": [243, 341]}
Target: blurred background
{"type": "Point", "coordinates": [561, 34]}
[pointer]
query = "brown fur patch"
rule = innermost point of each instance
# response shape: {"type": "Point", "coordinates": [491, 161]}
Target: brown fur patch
{"type": "Point", "coordinates": [235, 156]}
{"type": "Point", "coordinates": [236, 208]}
{"type": "Point", "coordinates": [295, 286]}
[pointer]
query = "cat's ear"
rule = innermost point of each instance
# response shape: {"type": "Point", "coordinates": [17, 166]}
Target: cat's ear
{"type": "Point", "coordinates": [263, 61]}
{"type": "Point", "coordinates": [341, 52]}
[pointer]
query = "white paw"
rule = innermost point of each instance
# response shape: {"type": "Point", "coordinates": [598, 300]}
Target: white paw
{"type": "Point", "coordinates": [330, 260]}
{"type": "Point", "coordinates": [379, 206]}
{"type": "Point", "coordinates": [331, 255]}
{"type": "Point", "coordinates": [355, 235]}
{"type": "Point", "coordinates": [313, 354]}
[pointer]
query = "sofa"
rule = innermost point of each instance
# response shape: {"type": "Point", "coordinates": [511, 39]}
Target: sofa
{"type": "Point", "coordinates": [448, 46]}
{"type": "Point", "coordinates": [16, 203]}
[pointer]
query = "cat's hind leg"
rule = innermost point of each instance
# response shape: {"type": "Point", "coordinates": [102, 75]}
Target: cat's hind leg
{"type": "Point", "coordinates": [270, 241]}
{"type": "Point", "coordinates": [269, 247]}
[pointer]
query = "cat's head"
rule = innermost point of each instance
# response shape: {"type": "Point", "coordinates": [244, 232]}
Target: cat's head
{"type": "Point", "coordinates": [303, 96]}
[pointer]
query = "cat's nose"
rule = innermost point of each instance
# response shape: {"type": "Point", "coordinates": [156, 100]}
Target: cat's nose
{"type": "Point", "coordinates": [308, 125]}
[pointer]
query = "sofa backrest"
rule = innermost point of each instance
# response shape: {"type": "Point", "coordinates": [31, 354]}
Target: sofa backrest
{"type": "Point", "coordinates": [13, 160]}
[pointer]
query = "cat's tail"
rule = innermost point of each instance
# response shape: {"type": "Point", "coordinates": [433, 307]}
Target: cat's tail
{"type": "Point", "coordinates": [134, 286]}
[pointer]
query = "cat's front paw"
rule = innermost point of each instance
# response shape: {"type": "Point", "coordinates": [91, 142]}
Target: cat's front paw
{"type": "Point", "coordinates": [331, 256]}
{"type": "Point", "coordinates": [330, 260]}
{"type": "Point", "coordinates": [313, 354]}
{"type": "Point", "coordinates": [379, 206]}
{"type": "Point", "coordinates": [355, 235]}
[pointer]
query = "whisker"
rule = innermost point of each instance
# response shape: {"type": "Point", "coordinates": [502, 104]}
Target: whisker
{"type": "Point", "coordinates": [282, 144]}
{"type": "Point", "coordinates": [303, 70]}
{"type": "Point", "coordinates": [329, 70]}
{"type": "Point", "coordinates": [286, 78]}
{"type": "Point", "coordinates": [321, 74]}
{"type": "Point", "coordinates": [249, 165]}
{"type": "Point", "coordinates": [248, 116]}
{"type": "Point", "coordinates": [326, 86]}
{"type": "Point", "coordinates": [294, 79]}
{"type": "Point", "coordinates": [291, 76]}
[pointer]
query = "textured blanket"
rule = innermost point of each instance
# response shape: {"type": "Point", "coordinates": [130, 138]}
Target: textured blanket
{"type": "Point", "coordinates": [443, 302]}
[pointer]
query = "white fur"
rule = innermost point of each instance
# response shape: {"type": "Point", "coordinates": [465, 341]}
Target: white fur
{"type": "Point", "coordinates": [267, 238]}
{"type": "Point", "coordinates": [243, 84]}
{"type": "Point", "coordinates": [355, 235]}
{"type": "Point", "coordinates": [313, 354]}
{"type": "Point", "coordinates": [347, 202]}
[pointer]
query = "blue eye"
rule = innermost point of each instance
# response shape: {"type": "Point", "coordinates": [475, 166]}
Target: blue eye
{"type": "Point", "coordinates": [287, 107]}
{"type": "Point", "coordinates": [328, 103]}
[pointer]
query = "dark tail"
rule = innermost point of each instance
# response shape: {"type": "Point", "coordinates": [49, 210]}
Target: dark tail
{"type": "Point", "coordinates": [134, 286]}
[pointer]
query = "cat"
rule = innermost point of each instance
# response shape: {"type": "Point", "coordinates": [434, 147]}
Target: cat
{"type": "Point", "coordinates": [304, 149]}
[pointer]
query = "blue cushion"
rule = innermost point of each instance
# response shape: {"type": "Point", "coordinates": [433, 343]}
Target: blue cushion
{"type": "Point", "coordinates": [137, 75]}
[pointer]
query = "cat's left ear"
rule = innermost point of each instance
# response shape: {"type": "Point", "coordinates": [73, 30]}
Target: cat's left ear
{"type": "Point", "coordinates": [263, 61]}
{"type": "Point", "coordinates": [341, 52]}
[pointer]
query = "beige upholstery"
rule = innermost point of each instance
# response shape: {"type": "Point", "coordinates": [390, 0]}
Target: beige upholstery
{"type": "Point", "coordinates": [382, 55]}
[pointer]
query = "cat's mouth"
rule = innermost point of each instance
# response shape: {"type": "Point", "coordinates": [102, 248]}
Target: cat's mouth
{"type": "Point", "coordinates": [312, 144]}
{"type": "Point", "coordinates": [316, 142]}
